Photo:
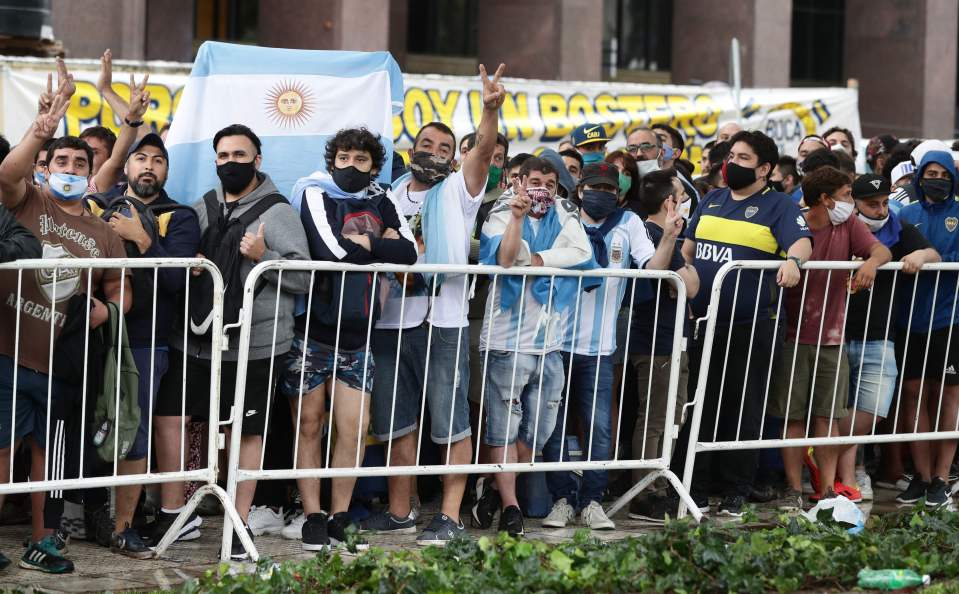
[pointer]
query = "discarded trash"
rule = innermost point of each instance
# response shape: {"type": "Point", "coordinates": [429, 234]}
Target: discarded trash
{"type": "Point", "coordinates": [843, 510]}
{"type": "Point", "coordinates": [891, 579]}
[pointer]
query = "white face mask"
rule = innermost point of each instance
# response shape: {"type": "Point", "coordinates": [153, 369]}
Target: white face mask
{"type": "Point", "coordinates": [841, 212]}
{"type": "Point", "coordinates": [873, 224]}
{"type": "Point", "coordinates": [648, 166]}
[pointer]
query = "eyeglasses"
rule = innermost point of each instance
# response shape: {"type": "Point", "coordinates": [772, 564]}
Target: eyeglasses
{"type": "Point", "coordinates": [645, 146]}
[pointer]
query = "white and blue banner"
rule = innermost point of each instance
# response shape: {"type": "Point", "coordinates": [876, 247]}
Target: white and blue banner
{"type": "Point", "coordinates": [294, 100]}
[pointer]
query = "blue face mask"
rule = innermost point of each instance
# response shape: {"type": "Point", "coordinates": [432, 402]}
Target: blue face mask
{"type": "Point", "coordinates": [39, 179]}
{"type": "Point", "coordinates": [67, 187]}
{"type": "Point", "coordinates": [589, 158]}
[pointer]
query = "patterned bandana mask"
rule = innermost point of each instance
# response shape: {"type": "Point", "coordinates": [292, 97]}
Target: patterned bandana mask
{"type": "Point", "coordinates": [429, 169]}
{"type": "Point", "coordinates": [541, 199]}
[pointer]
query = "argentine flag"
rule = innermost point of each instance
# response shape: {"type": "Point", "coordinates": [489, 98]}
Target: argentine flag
{"type": "Point", "coordinates": [294, 100]}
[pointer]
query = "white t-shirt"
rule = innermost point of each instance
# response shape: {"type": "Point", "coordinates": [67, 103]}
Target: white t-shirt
{"type": "Point", "coordinates": [626, 243]}
{"type": "Point", "coordinates": [449, 307]}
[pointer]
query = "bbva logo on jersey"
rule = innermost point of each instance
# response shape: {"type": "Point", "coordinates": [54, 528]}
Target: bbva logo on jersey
{"type": "Point", "coordinates": [716, 253]}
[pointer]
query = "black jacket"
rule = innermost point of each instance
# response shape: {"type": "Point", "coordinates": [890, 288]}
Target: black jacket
{"type": "Point", "coordinates": [16, 241]}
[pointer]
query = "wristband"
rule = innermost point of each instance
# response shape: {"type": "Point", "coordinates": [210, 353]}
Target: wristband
{"type": "Point", "coordinates": [796, 260]}
{"type": "Point", "coordinates": [135, 124]}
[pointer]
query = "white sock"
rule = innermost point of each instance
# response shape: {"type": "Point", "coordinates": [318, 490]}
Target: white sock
{"type": "Point", "coordinates": [172, 511]}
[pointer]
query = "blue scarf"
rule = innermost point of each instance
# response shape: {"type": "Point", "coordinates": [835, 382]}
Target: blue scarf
{"type": "Point", "coordinates": [443, 229]}
{"type": "Point", "coordinates": [565, 288]}
{"type": "Point", "coordinates": [324, 181]}
{"type": "Point", "coordinates": [888, 235]}
{"type": "Point", "coordinates": [597, 236]}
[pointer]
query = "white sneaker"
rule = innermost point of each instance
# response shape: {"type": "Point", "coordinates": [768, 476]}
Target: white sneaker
{"type": "Point", "coordinates": [561, 514]}
{"type": "Point", "coordinates": [294, 530]}
{"type": "Point", "coordinates": [263, 520]}
{"type": "Point", "coordinates": [864, 483]}
{"type": "Point", "coordinates": [595, 518]}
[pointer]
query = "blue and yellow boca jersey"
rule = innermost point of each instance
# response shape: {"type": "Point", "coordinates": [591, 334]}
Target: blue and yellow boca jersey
{"type": "Point", "coordinates": [761, 227]}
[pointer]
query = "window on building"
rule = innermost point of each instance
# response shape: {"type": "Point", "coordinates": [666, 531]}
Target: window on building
{"type": "Point", "coordinates": [817, 42]}
{"type": "Point", "coordinates": [445, 28]}
{"type": "Point", "coordinates": [226, 20]}
{"type": "Point", "coordinates": [637, 36]}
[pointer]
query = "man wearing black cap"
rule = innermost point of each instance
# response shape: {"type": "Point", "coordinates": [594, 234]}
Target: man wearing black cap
{"type": "Point", "coordinates": [619, 240]}
{"type": "Point", "coordinates": [152, 226]}
{"type": "Point", "coordinates": [871, 321]}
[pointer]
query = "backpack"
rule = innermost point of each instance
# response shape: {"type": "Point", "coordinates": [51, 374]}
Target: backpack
{"type": "Point", "coordinates": [113, 424]}
{"type": "Point", "coordinates": [220, 243]}
{"type": "Point", "coordinates": [155, 219]}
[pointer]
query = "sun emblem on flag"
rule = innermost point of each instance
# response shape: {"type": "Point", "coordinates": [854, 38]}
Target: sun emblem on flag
{"type": "Point", "coordinates": [289, 104]}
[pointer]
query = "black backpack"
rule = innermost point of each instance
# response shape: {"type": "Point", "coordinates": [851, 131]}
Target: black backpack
{"type": "Point", "coordinates": [220, 243]}
{"type": "Point", "coordinates": [141, 278]}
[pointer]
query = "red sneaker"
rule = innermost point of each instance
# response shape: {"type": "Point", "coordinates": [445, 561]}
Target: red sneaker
{"type": "Point", "coordinates": [810, 463]}
{"type": "Point", "coordinates": [851, 493]}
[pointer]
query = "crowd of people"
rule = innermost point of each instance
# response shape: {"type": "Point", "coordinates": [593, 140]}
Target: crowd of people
{"type": "Point", "coordinates": [522, 361]}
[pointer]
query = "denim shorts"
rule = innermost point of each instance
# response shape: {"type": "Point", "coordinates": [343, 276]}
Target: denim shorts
{"type": "Point", "coordinates": [145, 395]}
{"type": "Point", "coordinates": [32, 391]}
{"type": "Point", "coordinates": [521, 401]}
{"type": "Point", "coordinates": [872, 365]}
{"type": "Point", "coordinates": [355, 369]}
{"type": "Point", "coordinates": [447, 381]}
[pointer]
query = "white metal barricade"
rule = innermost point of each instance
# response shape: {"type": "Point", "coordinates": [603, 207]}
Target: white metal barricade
{"type": "Point", "coordinates": [656, 464]}
{"type": "Point", "coordinates": [778, 371]}
{"type": "Point", "coordinates": [60, 279]}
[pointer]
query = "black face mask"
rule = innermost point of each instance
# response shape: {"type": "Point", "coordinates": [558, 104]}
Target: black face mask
{"type": "Point", "coordinates": [737, 176]}
{"type": "Point", "coordinates": [777, 185]}
{"type": "Point", "coordinates": [936, 190]}
{"type": "Point", "coordinates": [429, 169]}
{"type": "Point", "coordinates": [350, 179]}
{"type": "Point", "coordinates": [235, 176]}
{"type": "Point", "coordinates": [599, 204]}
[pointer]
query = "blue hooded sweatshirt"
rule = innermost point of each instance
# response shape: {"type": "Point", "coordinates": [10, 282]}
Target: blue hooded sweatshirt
{"type": "Point", "coordinates": [939, 222]}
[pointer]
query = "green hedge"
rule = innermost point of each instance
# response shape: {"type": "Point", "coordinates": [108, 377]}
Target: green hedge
{"type": "Point", "coordinates": [682, 557]}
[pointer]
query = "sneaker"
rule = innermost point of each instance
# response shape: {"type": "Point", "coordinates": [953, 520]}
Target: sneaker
{"type": "Point", "coordinates": [130, 544]}
{"type": "Point", "coordinates": [914, 492]}
{"type": "Point", "coordinates": [851, 493]}
{"type": "Point", "coordinates": [595, 518]}
{"type": "Point", "coordinates": [732, 506]}
{"type": "Point", "coordinates": [265, 520]}
{"type": "Point", "coordinates": [61, 541]}
{"type": "Point", "coordinates": [561, 514]}
{"type": "Point", "coordinates": [343, 531]}
{"type": "Point", "coordinates": [387, 523]}
{"type": "Point", "coordinates": [237, 552]}
{"type": "Point", "coordinates": [43, 556]}
{"type": "Point", "coordinates": [99, 525]}
{"type": "Point", "coordinates": [761, 493]}
{"type": "Point", "coordinates": [903, 483]}
{"type": "Point", "coordinates": [294, 529]}
{"type": "Point", "coordinates": [654, 508]}
{"type": "Point", "coordinates": [864, 483]}
{"type": "Point", "coordinates": [73, 521]}
{"type": "Point", "coordinates": [155, 531]}
{"type": "Point", "coordinates": [4, 562]}
{"type": "Point", "coordinates": [487, 503]}
{"type": "Point", "coordinates": [313, 532]}
{"type": "Point", "coordinates": [441, 531]}
{"type": "Point", "coordinates": [937, 493]}
{"type": "Point", "coordinates": [810, 463]}
{"type": "Point", "coordinates": [511, 521]}
{"type": "Point", "coordinates": [829, 494]}
{"type": "Point", "coordinates": [789, 500]}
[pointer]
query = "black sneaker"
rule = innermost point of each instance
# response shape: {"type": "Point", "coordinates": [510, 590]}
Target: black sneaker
{"type": "Point", "coordinates": [154, 532]}
{"type": "Point", "coordinates": [511, 521]}
{"type": "Point", "coordinates": [43, 556]}
{"type": "Point", "coordinates": [4, 562]}
{"type": "Point", "coordinates": [387, 523]}
{"type": "Point", "coordinates": [487, 503]}
{"type": "Point", "coordinates": [916, 491]}
{"type": "Point", "coordinates": [314, 533]}
{"type": "Point", "coordinates": [732, 506]}
{"type": "Point", "coordinates": [343, 531]}
{"type": "Point", "coordinates": [130, 544]}
{"type": "Point", "coordinates": [654, 508]}
{"type": "Point", "coordinates": [937, 493]}
{"type": "Point", "coordinates": [441, 531]}
{"type": "Point", "coordinates": [237, 552]}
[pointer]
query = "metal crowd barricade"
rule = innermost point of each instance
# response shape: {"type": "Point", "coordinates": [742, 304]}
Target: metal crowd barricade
{"type": "Point", "coordinates": [705, 438]}
{"type": "Point", "coordinates": [66, 277]}
{"type": "Point", "coordinates": [657, 465]}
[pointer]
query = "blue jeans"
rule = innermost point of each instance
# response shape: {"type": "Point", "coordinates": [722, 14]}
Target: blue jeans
{"type": "Point", "coordinates": [583, 371]}
{"type": "Point", "coordinates": [523, 395]}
